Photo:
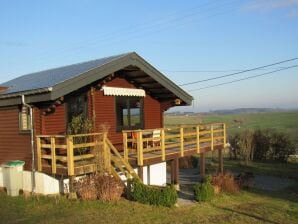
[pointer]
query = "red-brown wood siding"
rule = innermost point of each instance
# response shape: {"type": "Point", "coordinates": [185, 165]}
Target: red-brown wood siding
{"type": "Point", "coordinates": [55, 122]}
{"type": "Point", "coordinates": [13, 144]}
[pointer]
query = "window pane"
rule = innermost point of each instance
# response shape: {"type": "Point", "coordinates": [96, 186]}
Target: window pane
{"type": "Point", "coordinates": [135, 112]}
{"type": "Point", "coordinates": [125, 121]}
{"type": "Point", "coordinates": [77, 106]}
{"type": "Point", "coordinates": [135, 118]}
{"type": "Point", "coordinates": [122, 112]}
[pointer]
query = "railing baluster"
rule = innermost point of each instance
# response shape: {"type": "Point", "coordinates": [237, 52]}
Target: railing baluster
{"type": "Point", "coordinates": [181, 142]}
{"type": "Point", "coordinates": [163, 147]}
{"type": "Point", "coordinates": [212, 140]}
{"type": "Point", "coordinates": [125, 146]}
{"type": "Point", "coordinates": [70, 156]}
{"type": "Point", "coordinates": [38, 145]}
{"type": "Point", "coordinates": [198, 138]}
{"type": "Point", "coordinates": [140, 148]}
{"type": "Point", "coordinates": [224, 135]}
{"type": "Point", "coordinates": [53, 155]}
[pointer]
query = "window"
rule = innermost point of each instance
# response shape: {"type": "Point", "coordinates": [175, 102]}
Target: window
{"type": "Point", "coordinates": [76, 106]}
{"type": "Point", "coordinates": [129, 112]}
{"type": "Point", "coordinates": [24, 119]}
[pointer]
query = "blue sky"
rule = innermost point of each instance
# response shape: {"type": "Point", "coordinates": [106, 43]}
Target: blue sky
{"type": "Point", "coordinates": [186, 40]}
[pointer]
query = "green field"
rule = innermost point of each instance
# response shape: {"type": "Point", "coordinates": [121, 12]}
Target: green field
{"type": "Point", "coordinates": [286, 122]}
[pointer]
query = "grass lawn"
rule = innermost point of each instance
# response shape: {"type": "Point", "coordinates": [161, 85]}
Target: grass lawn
{"type": "Point", "coordinates": [245, 207]}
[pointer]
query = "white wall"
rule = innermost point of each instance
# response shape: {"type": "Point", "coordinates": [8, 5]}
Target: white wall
{"type": "Point", "coordinates": [44, 184]}
{"type": "Point", "coordinates": [1, 177]}
{"type": "Point", "coordinates": [155, 174]}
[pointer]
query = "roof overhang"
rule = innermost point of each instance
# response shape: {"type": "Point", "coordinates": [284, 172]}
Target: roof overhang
{"type": "Point", "coordinates": [151, 81]}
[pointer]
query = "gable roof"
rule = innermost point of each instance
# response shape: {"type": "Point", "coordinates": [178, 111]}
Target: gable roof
{"type": "Point", "coordinates": [53, 83]}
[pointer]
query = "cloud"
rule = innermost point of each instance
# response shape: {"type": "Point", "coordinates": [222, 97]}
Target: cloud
{"type": "Point", "coordinates": [12, 43]}
{"type": "Point", "coordinates": [289, 7]}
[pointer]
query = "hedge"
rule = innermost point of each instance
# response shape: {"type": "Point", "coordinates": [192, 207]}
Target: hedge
{"type": "Point", "coordinates": [153, 195]}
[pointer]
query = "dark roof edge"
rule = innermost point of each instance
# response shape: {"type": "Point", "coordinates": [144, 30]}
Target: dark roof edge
{"type": "Point", "coordinates": [27, 92]}
{"type": "Point", "coordinates": [166, 82]}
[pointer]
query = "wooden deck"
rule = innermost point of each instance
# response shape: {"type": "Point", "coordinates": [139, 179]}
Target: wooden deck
{"type": "Point", "coordinates": [173, 153]}
{"type": "Point", "coordinates": [80, 154]}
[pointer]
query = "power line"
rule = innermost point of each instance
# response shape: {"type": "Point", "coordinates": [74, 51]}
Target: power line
{"type": "Point", "coordinates": [239, 80]}
{"type": "Point", "coordinates": [236, 73]}
{"type": "Point", "coordinates": [149, 26]}
{"type": "Point", "coordinates": [215, 71]}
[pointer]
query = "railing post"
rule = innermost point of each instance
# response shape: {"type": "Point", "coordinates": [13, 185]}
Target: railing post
{"type": "Point", "coordinates": [38, 146]}
{"type": "Point", "coordinates": [225, 135]}
{"type": "Point", "coordinates": [53, 155]}
{"type": "Point", "coordinates": [163, 146]}
{"type": "Point", "coordinates": [140, 148]}
{"type": "Point", "coordinates": [181, 142]}
{"type": "Point", "coordinates": [106, 153]}
{"type": "Point", "coordinates": [125, 146]}
{"type": "Point", "coordinates": [198, 138]}
{"type": "Point", "coordinates": [70, 156]}
{"type": "Point", "coordinates": [212, 138]}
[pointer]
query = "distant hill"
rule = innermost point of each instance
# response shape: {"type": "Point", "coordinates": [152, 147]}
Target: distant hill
{"type": "Point", "coordinates": [247, 111]}
{"type": "Point", "coordinates": [234, 111]}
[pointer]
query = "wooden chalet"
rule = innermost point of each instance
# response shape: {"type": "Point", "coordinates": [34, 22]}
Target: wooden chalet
{"type": "Point", "coordinates": [124, 93]}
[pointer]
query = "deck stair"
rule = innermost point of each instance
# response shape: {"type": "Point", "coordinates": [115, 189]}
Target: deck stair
{"type": "Point", "coordinates": [119, 167]}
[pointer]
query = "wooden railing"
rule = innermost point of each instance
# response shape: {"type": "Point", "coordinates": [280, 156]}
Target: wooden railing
{"type": "Point", "coordinates": [81, 154]}
{"type": "Point", "coordinates": [205, 136]}
{"type": "Point", "coordinates": [69, 151]}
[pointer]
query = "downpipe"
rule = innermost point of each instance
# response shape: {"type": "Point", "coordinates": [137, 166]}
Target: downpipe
{"type": "Point", "coordinates": [32, 143]}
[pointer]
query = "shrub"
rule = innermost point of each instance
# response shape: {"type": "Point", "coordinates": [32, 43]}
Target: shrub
{"type": "Point", "coordinates": [282, 147]}
{"type": "Point", "coordinates": [153, 195]}
{"type": "Point", "coordinates": [101, 187]}
{"type": "Point", "coordinates": [108, 188]}
{"type": "Point", "coordinates": [204, 191]}
{"type": "Point", "coordinates": [85, 188]}
{"type": "Point", "coordinates": [245, 179]}
{"type": "Point", "coordinates": [225, 182]}
{"type": "Point", "coordinates": [261, 145]}
{"type": "Point", "coordinates": [292, 159]}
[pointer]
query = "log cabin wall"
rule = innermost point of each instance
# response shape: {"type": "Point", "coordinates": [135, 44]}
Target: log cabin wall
{"type": "Point", "coordinates": [14, 144]}
{"type": "Point", "coordinates": [105, 111]}
{"type": "Point", "coordinates": [54, 123]}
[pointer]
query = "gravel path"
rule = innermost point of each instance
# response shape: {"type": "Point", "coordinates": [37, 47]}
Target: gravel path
{"type": "Point", "coordinates": [189, 177]}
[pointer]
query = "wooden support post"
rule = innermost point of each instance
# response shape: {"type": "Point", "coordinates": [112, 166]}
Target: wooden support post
{"type": "Point", "coordinates": [70, 156]}
{"type": "Point", "coordinates": [220, 161]}
{"type": "Point", "coordinates": [125, 146]}
{"type": "Point", "coordinates": [140, 173]}
{"type": "Point", "coordinates": [198, 138]}
{"type": "Point", "coordinates": [53, 155]}
{"type": "Point", "coordinates": [163, 146]}
{"type": "Point", "coordinates": [38, 146]}
{"type": "Point", "coordinates": [71, 184]}
{"type": "Point", "coordinates": [202, 164]}
{"type": "Point", "coordinates": [140, 148]}
{"type": "Point", "coordinates": [175, 171]}
{"type": "Point", "coordinates": [181, 142]}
